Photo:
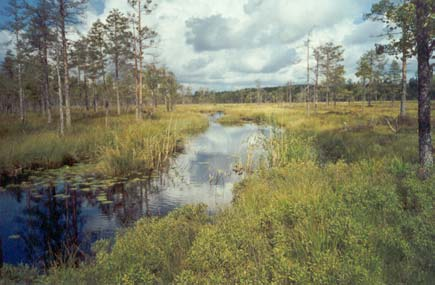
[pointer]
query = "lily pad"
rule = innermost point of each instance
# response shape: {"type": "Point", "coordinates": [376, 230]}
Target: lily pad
{"type": "Point", "coordinates": [101, 198]}
{"type": "Point", "coordinates": [62, 196]}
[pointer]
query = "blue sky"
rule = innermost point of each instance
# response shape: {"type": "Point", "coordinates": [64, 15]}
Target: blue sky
{"type": "Point", "coordinates": [98, 5]}
{"type": "Point", "coordinates": [229, 44]}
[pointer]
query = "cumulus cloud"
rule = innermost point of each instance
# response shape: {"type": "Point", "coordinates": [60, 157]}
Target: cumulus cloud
{"type": "Point", "coordinates": [229, 44]}
{"type": "Point", "coordinates": [212, 33]}
{"type": "Point", "coordinates": [6, 42]}
{"type": "Point", "coordinates": [197, 64]}
{"type": "Point", "coordinates": [267, 60]}
{"type": "Point", "coordinates": [365, 33]}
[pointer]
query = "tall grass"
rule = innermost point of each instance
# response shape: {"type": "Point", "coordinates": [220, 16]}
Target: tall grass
{"type": "Point", "coordinates": [124, 146]}
{"type": "Point", "coordinates": [147, 145]}
{"type": "Point", "coordinates": [338, 204]}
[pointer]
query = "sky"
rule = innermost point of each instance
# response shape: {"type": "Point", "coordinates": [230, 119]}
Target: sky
{"type": "Point", "coordinates": [229, 44]}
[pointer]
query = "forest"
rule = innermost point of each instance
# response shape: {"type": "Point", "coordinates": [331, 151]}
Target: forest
{"type": "Point", "coordinates": [118, 168]}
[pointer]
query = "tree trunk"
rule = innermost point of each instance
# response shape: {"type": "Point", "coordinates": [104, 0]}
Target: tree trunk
{"type": "Point", "coordinates": [136, 79]}
{"type": "Point", "coordinates": [20, 81]}
{"type": "Point", "coordinates": [59, 82]}
{"type": "Point", "coordinates": [105, 92]}
{"type": "Point", "coordinates": [424, 51]}
{"type": "Point", "coordinates": [140, 59]}
{"type": "Point", "coordinates": [65, 63]}
{"type": "Point", "coordinates": [307, 98]}
{"type": "Point", "coordinates": [79, 85]}
{"type": "Point", "coordinates": [106, 107]}
{"type": "Point", "coordinates": [42, 99]}
{"type": "Point", "coordinates": [403, 98]}
{"type": "Point", "coordinates": [85, 83]}
{"type": "Point", "coordinates": [153, 93]}
{"type": "Point", "coordinates": [364, 95]}
{"type": "Point", "coordinates": [166, 103]}
{"type": "Point", "coordinates": [316, 87]}
{"type": "Point", "coordinates": [94, 95]}
{"type": "Point", "coordinates": [46, 83]}
{"type": "Point", "coordinates": [118, 100]}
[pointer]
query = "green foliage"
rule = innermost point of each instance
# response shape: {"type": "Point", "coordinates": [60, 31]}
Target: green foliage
{"type": "Point", "coordinates": [146, 145]}
{"type": "Point", "coordinates": [127, 145]}
{"type": "Point", "coordinates": [152, 252]}
{"type": "Point", "coordinates": [330, 58]}
{"type": "Point", "coordinates": [340, 204]}
{"type": "Point", "coordinates": [398, 17]}
{"type": "Point", "coordinates": [285, 147]}
{"type": "Point", "coordinates": [17, 275]}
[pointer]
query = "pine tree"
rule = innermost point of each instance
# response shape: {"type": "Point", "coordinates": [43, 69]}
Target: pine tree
{"type": "Point", "coordinates": [394, 78]}
{"type": "Point", "coordinates": [143, 38]}
{"type": "Point", "coordinates": [118, 45]}
{"type": "Point", "coordinates": [16, 24]}
{"type": "Point", "coordinates": [97, 60]}
{"type": "Point", "coordinates": [69, 14]}
{"type": "Point", "coordinates": [318, 58]}
{"type": "Point", "coordinates": [152, 80]}
{"type": "Point", "coordinates": [398, 16]}
{"type": "Point", "coordinates": [424, 34]}
{"type": "Point", "coordinates": [40, 37]}
{"type": "Point", "coordinates": [331, 57]}
{"type": "Point", "coordinates": [371, 71]}
{"type": "Point", "coordinates": [80, 55]}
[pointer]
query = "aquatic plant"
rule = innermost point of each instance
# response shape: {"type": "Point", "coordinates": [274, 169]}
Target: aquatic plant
{"type": "Point", "coordinates": [335, 205]}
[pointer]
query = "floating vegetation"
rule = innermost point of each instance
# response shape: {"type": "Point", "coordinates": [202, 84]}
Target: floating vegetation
{"type": "Point", "coordinates": [12, 187]}
{"type": "Point", "coordinates": [14, 237]}
{"type": "Point", "coordinates": [101, 198]}
{"type": "Point", "coordinates": [62, 196]}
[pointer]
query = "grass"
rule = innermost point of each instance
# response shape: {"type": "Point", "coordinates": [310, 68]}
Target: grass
{"type": "Point", "coordinates": [123, 146]}
{"type": "Point", "coordinates": [336, 202]}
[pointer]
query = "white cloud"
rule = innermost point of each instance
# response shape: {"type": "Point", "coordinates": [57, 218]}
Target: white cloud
{"type": "Point", "coordinates": [6, 42]}
{"type": "Point", "coordinates": [228, 44]}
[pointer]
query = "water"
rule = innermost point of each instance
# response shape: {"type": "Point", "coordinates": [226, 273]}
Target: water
{"type": "Point", "coordinates": [61, 213]}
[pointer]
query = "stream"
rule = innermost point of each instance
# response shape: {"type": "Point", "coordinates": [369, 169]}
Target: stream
{"type": "Point", "coordinates": [54, 213]}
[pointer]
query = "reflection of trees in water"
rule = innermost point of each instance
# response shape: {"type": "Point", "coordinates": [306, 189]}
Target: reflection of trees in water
{"type": "Point", "coordinates": [54, 228]}
{"type": "Point", "coordinates": [59, 224]}
{"type": "Point", "coordinates": [51, 227]}
{"type": "Point", "coordinates": [129, 203]}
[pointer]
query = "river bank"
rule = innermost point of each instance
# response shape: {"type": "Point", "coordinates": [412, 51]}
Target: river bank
{"type": "Point", "coordinates": [339, 202]}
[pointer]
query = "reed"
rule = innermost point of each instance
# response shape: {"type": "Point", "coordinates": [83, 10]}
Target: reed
{"type": "Point", "coordinates": [338, 202]}
{"type": "Point", "coordinates": [146, 146]}
{"type": "Point", "coordinates": [123, 146]}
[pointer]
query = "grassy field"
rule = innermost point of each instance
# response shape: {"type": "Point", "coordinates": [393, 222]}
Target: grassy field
{"type": "Point", "coordinates": [337, 201]}
{"type": "Point", "coordinates": [123, 146]}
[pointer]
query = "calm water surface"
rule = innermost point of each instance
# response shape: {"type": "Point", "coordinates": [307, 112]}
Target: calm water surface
{"type": "Point", "coordinates": [61, 212]}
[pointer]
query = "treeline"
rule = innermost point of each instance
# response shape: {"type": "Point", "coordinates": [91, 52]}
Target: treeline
{"type": "Point", "coordinates": [106, 69]}
{"type": "Point", "coordinates": [378, 78]}
{"type": "Point", "coordinates": [349, 92]}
